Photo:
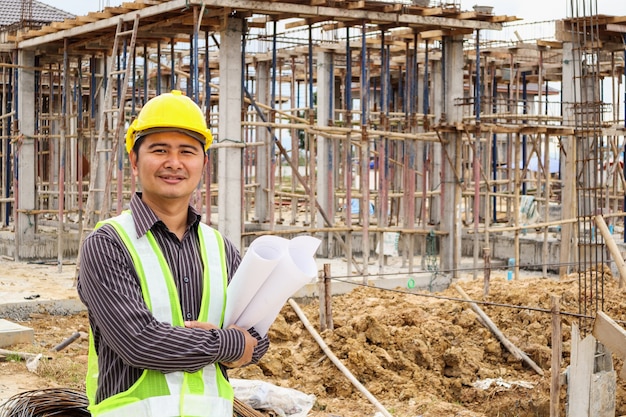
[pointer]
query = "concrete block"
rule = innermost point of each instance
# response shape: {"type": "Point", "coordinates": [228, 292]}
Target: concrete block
{"type": "Point", "coordinates": [14, 334]}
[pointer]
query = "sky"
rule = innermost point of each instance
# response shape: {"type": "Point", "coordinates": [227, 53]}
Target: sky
{"type": "Point", "coordinates": [530, 10]}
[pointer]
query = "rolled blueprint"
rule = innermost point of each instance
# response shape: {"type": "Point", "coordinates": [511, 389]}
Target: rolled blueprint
{"type": "Point", "coordinates": [271, 271]}
{"type": "Point", "coordinates": [295, 269]}
{"type": "Point", "coordinates": [259, 261]}
{"type": "Point", "coordinates": [291, 274]}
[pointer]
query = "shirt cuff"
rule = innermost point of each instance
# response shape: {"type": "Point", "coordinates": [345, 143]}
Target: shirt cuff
{"type": "Point", "coordinates": [233, 345]}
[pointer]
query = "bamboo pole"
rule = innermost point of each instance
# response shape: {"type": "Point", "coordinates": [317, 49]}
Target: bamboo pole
{"type": "Point", "coordinates": [336, 360]}
{"type": "Point", "coordinates": [531, 226]}
{"type": "Point", "coordinates": [21, 355]}
{"type": "Point", "coordinates": [613, 248]}
{"type": "Point", "coordinates": [312, 230]}
{"type": "Point", "coordinates": [515, 351]}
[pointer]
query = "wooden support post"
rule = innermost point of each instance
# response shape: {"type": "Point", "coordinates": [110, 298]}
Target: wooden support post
{"type": "Point", "coordinates": [555, 367]}
{"type": "Point", "coordinates": [328, 298]}
{"type": "Point", "coordinates": [487, 270]}
{"type": "Point", "coordinates": [321, 290]}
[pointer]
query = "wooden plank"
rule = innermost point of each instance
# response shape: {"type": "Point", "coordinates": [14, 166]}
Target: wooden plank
{"type": "Point", "coordinates": [100, 15]}
{"type": "Point", "coordinates": [439, 33]}
{"type": "Point", "coordinates": [581, 368]}
{"type": "Point", "coordinates": [611, 334]}
{"type": "Point", "coordinates": [466, 15]}
{"type": "Point", "coordinates": [117, 10]}
{"type": "Point", "coordinates": [432, 11]}
{"type": "Point", "coordinates": [63, 25]}
{"type": "Point", "coordinates": [296, 24]}
{"type": "Point", "coordinates": [396, 7]}
{"type": "Point", "coordinates": [356, 5]}
{"type": "Point", "coordinates": [87, 19]}
{"type": "Point", "coordinates": [612, 27]}
{"type": "Point", "coordinates": [257, 25]}
{"type": "Point", "coordinates": [134, 5]}
{"type": "Point", "coordinates": [550, 44]}
{"type": "Point", "coordinates": [615, 19]}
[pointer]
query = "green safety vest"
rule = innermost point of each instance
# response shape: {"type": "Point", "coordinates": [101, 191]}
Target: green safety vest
{"type": "Point", "coordinates": [205, 393]}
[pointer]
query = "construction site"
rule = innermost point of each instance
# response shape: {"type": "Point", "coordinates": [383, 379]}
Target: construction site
{"type": "Point", "coordinates": [448, 141]}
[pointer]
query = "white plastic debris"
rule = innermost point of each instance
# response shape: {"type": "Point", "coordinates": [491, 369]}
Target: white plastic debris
{"type": "Point", "coordinates": [260, 395]}
{"type": "Point", "coordinates": [33, 363]}
{"type": "Point", "coordinates": [488, 382]}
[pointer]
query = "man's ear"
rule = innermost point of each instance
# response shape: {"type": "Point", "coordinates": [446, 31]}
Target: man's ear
{"type": "Point", "coordinates": [132, 156]}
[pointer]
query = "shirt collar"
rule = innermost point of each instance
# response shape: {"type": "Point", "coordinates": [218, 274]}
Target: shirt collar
{"type": "Point", "coordinates": [145, 219]}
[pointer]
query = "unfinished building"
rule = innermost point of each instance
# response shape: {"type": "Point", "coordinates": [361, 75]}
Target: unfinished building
{"type": "Point", "coordinates": [362, 122]}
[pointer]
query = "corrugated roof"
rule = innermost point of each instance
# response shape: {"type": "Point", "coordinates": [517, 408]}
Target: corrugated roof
{"type": "Point", "coordinates": [42, 13]}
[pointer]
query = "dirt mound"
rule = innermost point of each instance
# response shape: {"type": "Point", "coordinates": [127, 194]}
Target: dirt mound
{"type": "Point", "coordinates": [419, 354]}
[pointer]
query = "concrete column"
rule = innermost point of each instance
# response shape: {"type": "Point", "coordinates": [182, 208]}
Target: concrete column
{"type": "Point", "coordinates": [263, 153]}
{"type": "Point", "coordinates": [325, 155]}
{"type": "Point", "coordinates": [229, 172]}
{"type": "Point", "coordinates": [420, 147]}
{"type": "Point", "coordinates": [26, 225]}
{"type": "Point", "coordinates": [436, 178]}
{"type": "Point", "coordinates": [452, 90]}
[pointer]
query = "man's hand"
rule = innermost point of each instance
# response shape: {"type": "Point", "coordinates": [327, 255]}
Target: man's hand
{"type": "Point", "coordinates": [246, 358]}
{"type": "Point", "coordinates": [250, 342]}
{"type": "Point", "coordinates": [200, 325]}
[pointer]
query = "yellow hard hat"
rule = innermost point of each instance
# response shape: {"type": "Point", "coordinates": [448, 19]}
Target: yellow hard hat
{"type": "Point", "coordinates": [170, 112]}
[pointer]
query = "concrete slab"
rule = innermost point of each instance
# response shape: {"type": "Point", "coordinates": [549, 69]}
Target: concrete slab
{"type": "Point", "coordinates": [14, 334]}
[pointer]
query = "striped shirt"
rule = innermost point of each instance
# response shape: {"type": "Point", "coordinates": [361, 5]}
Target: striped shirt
{"type": "Point", "coordinates": [127, 337]}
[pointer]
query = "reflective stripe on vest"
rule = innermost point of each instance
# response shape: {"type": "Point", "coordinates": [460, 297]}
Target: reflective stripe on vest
{"type": "Point", "coordinates": [181, 398]}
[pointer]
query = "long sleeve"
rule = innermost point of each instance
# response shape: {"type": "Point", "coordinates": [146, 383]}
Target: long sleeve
{"type": "Point", "coordinates": [110, 289]}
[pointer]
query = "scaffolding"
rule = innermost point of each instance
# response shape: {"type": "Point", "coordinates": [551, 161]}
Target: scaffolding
{"type": "Point", "coordinates": [346, 128]}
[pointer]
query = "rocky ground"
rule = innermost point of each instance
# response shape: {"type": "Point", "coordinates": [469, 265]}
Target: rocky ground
{"type": "Point", "coordinates": [418, 354]}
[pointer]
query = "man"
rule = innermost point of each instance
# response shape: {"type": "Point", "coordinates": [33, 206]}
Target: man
{"type": "Point", "coordinates": [154, 282]}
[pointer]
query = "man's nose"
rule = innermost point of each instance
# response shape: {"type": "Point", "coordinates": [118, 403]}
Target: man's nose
{"type": "Point", "coordinates": [173, 159]}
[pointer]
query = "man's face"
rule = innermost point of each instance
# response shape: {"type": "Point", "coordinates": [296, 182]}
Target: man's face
{"type": "Point", "coordinates": [169, 166]}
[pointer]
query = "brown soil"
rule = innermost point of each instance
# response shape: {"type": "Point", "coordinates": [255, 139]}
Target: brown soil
{"type": "Point", "coordinates": [417, 354]}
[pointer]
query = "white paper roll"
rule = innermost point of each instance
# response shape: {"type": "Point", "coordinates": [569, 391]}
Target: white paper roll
{"type": "Point", "coordinates": [296, 269]}
{"type": "Point", "coordinates": [259, 261]}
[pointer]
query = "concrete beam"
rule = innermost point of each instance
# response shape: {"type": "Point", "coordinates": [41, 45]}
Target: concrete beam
{"type": "Point", "coordinates": [334, 13]}
{"type": "Point", "coordinates": [260, 7]}
{"type": "Point", "coordinates": [110, 22]}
